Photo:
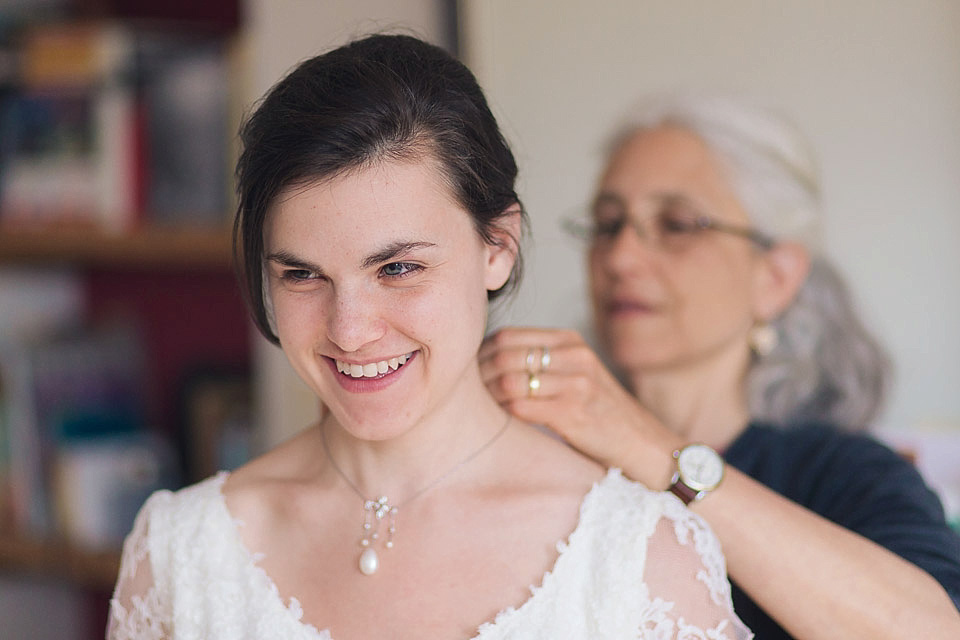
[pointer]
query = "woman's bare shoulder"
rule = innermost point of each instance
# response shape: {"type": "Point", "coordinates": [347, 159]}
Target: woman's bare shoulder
{"type": "Point", "coordinates": [265, 484]}
{"type": "Point", "coordinates": [548, 457]}
{"type": "Point", "coordinates": [288, 460]}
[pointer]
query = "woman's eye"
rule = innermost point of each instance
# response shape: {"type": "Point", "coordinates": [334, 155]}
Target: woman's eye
{"type": "Point", "coordinates": [678, 223]}
{"type": "Point", "coordinates": [399, 269]}
{"type": "Point", "coordinates": [607, 228]}
{"type": "Point", "coordinates": [296, 275]}
{"type": "Point", "coordinates": [608, 219]}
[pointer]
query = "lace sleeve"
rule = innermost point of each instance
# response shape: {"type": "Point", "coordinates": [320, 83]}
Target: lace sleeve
{"type": "Point", "coordinates": [136, 609]}
{"type": "Point", "coordinates": [686, 575]}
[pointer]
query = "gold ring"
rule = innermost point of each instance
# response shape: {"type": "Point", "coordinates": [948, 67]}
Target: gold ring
{"type": "Point", "coordinates": [533, 385]}
{"type": "Point", "coordinates": [544, 358]}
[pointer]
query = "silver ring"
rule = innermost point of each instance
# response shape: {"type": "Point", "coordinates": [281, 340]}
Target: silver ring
{"type": "Point", "coordinates": [530, 361]}
{"type": "Point", "coordinates": [533, 385]}
{"type": "Point", "coordinates": [544, 359]}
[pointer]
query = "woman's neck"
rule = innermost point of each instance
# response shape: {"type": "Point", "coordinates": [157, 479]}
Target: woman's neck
{"type": "Point", "coordinates": [703, 401]}
{"type": "Point", "coordinates": [439, 441]}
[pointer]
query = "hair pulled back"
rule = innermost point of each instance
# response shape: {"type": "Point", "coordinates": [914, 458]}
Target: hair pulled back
{"type": "Point", "coordinates": [826, 367]}
{"type": "Point", "coordinates": [378, 99]}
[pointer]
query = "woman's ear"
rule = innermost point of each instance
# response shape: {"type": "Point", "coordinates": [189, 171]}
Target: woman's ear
{"type": "Point", "coordinates": [781, 272]}
{"type": "Point", "coordinates": [503, 250]}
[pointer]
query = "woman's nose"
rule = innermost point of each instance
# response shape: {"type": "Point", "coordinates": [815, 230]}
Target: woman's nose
{"type": "Point", "coordinates": [630, 249]}
{"type": "Point", "coordinates": [354, 320]}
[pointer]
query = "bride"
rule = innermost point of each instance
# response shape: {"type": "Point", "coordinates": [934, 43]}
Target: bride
{"type": "Point", "coordinates": [377, 219]}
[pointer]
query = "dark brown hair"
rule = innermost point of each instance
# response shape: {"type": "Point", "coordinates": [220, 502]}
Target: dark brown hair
{"type": "Point", "coordinates": [380, 98]}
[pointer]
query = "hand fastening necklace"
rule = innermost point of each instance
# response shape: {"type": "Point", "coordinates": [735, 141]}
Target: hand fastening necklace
{"type": "Point", "coordinates": [374, 511]}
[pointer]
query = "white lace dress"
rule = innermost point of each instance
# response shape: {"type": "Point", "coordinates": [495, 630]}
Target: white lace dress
{"type": "Point", "coordinates": [186, 575]}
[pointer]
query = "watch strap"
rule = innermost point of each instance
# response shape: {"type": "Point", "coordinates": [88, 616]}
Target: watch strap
{"type": "Point", "coordinates": [682, 491]}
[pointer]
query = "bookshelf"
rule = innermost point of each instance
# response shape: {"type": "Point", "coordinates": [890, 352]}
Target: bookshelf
{"type": "Point", "coordinates": [120, 197]}
{"type": "Point", "coordinates": [140, 270]}
{"type": "Point", "coordinates": [156, 247]}
{"type": "Point", "coordinates": [59, 560]}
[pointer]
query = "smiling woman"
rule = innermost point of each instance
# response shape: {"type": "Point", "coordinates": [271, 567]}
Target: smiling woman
{"type": "Point", "coordinates": [388, 254]}
{"type": "Point", "coordinates": [377, 219]}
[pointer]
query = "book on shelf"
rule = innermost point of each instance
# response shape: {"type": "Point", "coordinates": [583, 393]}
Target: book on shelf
{"type": "Point", "coordinates": [6, 500]}
{"type": "Point", "coordinates": [215, 430]}
{"type": "Point", "coordinates": [110, 125]}
{"type": "Point", "coordinates": [185, 92]}
{"type": "Point", "coordinates": [70, 130]}
{"type": "Point", "coordinates": [24, 475]}
{"type": "Point", "coordinates": [34, 304]}
{"type": "Point", "coordinates": [98, 485]}
{"type": "Point", "coordinates": [81, 456]}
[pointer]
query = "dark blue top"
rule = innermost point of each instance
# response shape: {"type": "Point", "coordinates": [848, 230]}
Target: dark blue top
{"type": "Point", "coordinates": [856, 482]}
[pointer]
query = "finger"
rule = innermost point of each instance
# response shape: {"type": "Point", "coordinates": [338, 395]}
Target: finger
{"type": "Point", "coordinates": [505, 387]}
{"type": "Point", "coordinates": [561, 416]}
{"type": "Point", "coordinates": [544, 385]}
{"type": "Point", "coordinates": [522, 338]}
{"type": "Point", "coordinates": [512, 360]}
{"type": "Point", "coordinates": [501, 362]}
{"type": "Point", "coordinates": [538, 411]}
{"type": "Point", "coordinates": [570, 359]}
{"type": "Point", "coordinates": [528, 360]}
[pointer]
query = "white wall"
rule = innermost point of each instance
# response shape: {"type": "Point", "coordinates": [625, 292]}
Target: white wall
{"type": "Point", "coordinates": [875, 85]}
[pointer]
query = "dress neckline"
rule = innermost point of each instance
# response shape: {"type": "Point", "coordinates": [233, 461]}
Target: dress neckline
{"type": "Point", "coordinates": [485, 631]}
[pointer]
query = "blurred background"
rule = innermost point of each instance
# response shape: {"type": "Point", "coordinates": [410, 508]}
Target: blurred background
{"type": "Point", "coordinates": [126, 359]}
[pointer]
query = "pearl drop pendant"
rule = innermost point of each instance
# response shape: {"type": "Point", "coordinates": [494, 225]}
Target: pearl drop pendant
{"type": "Point", "coordinates": [374, 512]}
{"type": "Point", "coordinates": [369, 561]}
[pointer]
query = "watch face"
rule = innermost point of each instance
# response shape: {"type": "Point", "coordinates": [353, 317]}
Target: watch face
{"type": "Point", "coordinates": [700, 467]}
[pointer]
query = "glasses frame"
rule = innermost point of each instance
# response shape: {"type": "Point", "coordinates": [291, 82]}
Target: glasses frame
{"type": "Point", "coordinates": [583, 227]}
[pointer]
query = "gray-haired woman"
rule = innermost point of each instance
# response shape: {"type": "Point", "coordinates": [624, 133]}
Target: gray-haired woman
{"type": "Point", "coordinates": [748, 374]}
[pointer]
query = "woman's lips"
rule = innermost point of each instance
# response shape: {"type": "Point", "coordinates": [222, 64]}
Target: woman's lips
{"type": "Point", "coordinates": [372, 369]}
{"type": "Point", "coordinates": [622, 307]}
{"type": "Point", "coordinates": [366, 383]}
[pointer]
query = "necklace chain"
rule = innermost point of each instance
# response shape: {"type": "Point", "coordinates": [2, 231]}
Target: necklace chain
{"type": "Point", "coordinates": [376, 510]}
{"type": "Point", "coordinates": [429, 485]}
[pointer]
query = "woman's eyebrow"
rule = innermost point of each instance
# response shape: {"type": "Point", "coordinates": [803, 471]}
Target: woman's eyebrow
{"type": "Point", "coordinates": [287, 259]}
{"type": "Point", "coordinates": [391, 252]}
{"type": "Point", "coordinates": [605, 197]}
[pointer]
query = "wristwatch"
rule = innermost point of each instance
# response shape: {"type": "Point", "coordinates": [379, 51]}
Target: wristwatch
{"type": "Point", "coordinates": [699, 471]}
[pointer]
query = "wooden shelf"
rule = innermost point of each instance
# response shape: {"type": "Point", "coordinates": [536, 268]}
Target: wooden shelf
{"type": "Point", "coordinates": [150, 247]}
{"type": "Point", "coordinates": [59, 560]}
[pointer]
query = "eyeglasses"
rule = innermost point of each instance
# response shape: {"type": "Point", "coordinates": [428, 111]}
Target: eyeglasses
{"type": "Point", "coordinates": [674, 225]}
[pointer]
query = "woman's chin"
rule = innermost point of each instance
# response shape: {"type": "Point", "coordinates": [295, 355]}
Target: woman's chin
{"type": "Point", "coordinates": [372, 424]}
{"type": "Point", "coordinates": [643, 356]}
{"type": "Point", "coordinates": [629, 349]}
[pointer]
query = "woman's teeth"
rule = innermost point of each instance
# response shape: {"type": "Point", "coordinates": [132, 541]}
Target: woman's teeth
{"type": "Point", "coordinates": [371, 369]}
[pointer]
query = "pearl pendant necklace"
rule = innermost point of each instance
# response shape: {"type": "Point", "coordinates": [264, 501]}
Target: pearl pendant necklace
{"type": "Point", "coordinates": [375, 511]}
